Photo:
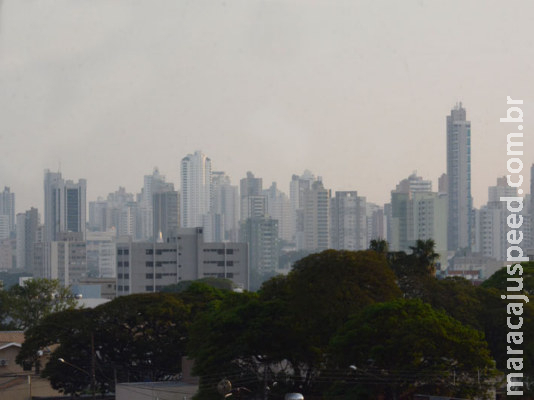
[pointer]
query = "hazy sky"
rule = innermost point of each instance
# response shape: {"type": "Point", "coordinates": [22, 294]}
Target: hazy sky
{"type": "Point", "coordinates": [355, 91]}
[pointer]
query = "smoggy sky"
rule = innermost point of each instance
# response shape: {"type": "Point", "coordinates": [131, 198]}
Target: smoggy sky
{"type": "Point", "coordinates": [355, 91]}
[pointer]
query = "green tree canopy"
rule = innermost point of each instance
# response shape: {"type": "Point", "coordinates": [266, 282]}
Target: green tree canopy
{"type": "Point", "coordinates": [25, 305]}
{"type": "Point", "coordinates": [404, 346]}
{"type": "Point", "coordinates": [136, 338]}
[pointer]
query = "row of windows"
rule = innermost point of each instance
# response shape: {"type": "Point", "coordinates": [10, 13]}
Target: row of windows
{"type": "Point", "coordinates": [160, 251]}
{"type": "Point", "coordinates": [158, 276]}
{"type": "Point", "coordinates": [125, 276]}
{"type": "Point", "coordinates": [123, 288]}
{"type": "Point", "coordinates": [123, 263]}
{"type": "Point", "coordinates": [123, 251]}
{"type": "Point", "coordinates": [220, 251]}
{"type": "Point", "coordinates": [220, 263]}
{"type": "Point", "coordinates": [160, 263]}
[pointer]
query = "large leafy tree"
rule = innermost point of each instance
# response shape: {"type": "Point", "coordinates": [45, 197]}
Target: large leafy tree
{"type": "Point", "coordinates": [25, 305]}
{"type": "Point", "coordinates": [245, 340]}
{"type": "Point", "coordinates": [132, 338]}
{"type": "Point", "coordinates": [396, 348]}
{"type": "Point", "coordinates": [283, 332]}
{"type": "Point", "coordinates": [499, 279]}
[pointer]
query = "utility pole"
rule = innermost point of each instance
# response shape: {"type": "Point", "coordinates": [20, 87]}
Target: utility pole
{"type": "Point", "coordinates": [93, 366]}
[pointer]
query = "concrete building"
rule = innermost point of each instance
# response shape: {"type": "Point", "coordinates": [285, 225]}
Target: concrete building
{"type": "Point", "coordinates": [4, 227]}
{"type": "Point", "coordinates": [224, 214]}
{"type": "Point", "coordinates": [279, 208]}
{"type": "Point", "coordinates": [7, 253]}
{"type": "Point", "coordinates": [261, 235]}
{"type": "Point", "coordinates": [195, 193]}
{"type": "Point", "coordinates": [459, 179]}
{"type": "Point", "coordinates": [297, 187]}
{"type": "Point", "coordinates": [418, 213]}
{"type": "Point", "coordinates": [147, 266]}
{"type": "Point", "coordinates": [429, 213]}
{"type": "Point", "coordinates": [348, 221]}
{"type": "Point", "coordinates": [7, 208]}
{"type": "Point", "coordinates": [27, 226]}
{"type": "Point", "coordinates": [253, 202]}
{"type": "Point", "coordinates": [166, 213]}
{"type": "Point", "coordinates": [490, 226]}
{"type": "Point", "coordinates": [64, 259]}
{"type": "Point", "coordinates": [65, 206]}
{"type": "Point", "coordinates": [316, 218]}
{"type": "Point", "coordinates": [101, 254]}
{"type": "Point", "coordinates": [376, 223]}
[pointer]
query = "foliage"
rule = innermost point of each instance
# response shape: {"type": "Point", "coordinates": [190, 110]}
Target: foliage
{"type": "Point", "coordinates": [136, 338]}
{"type": "Point", "coordinates": [400, 347]}
{"type": "Point", "coordinates": [282, 332]}
{"type": "Point", "coordinates": [499, 282]}
{"type": "Point", "coordinates": [25, 305]}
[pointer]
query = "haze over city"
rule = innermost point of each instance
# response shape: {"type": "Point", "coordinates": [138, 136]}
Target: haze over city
{"type": "Point", "coordinates": [356, 92]}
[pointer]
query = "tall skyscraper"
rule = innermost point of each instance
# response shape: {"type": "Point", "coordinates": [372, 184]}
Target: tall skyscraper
{"type": "Point", "coordinates": [165, 212]}
{"type": "Point", "coordinates": [253, 202]}
{"type": "Point", "coordinates": [459, 179]}
{"type": "Point", "coordinates": [224, 214]}
{"type": "Point", "coordinates": [65, 205]}
{"type": "Point", "coordinates": [348, 221]}
{"type": "Point", "coordinates": [7, 207]}
{"type": "Point", "coordinates": [27, 226]}
{"type": "Point", "coordinates": [195, 196]}
{"type": "Point", "coordinates": [316, 218]}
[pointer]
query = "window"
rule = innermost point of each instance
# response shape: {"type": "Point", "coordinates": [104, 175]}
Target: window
{"type": "Point", "coordinates": [229, 251]}
{"type": "Point", "coordinates": [126, 263]}
{"type": "Point", "coordinates": [149, 264]}
{"type": "Point", "coordinates": [126, 252]}
{"type": "Point", "coordinates": [149, 251]}
{"type": "Point", "coordinates": [149, 288]}
{"type": "Point", "coordinates": [119, 251]}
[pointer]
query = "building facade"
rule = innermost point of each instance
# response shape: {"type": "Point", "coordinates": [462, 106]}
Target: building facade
{"type": "Point", "coordinates": [144, 267]}
{"type": "Point", "coordinates": [459, 179]}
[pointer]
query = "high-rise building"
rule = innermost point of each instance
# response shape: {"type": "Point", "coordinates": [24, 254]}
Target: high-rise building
{"type": "Point", "coordinates": [316, 218]}
{"type": "Point", "coordinates": [348, 221]}
{"type": "Point", "coordinates": [253, 202]}
{"type": "Point", "coordinates": [490, 222]}
{"type": "Point", "coordinates": [7, 207]}
{"type": "Point", "coordinates": [297, 187]}
{"type": "Point", "coordinates": [65, 207]}
{"type": "Point", "coordinates": [223, 224]}
{"type": "Point", "coordinates": [261, 235]}
{"type": "Point", "coordinates": [417, 213]}
{"type": "Point", "coordinates": [27, 226]}
{"type": "Point", "coordinates": [279, 208]}
{"type": "Point", "coordinates": [459, 179]}
{"type": "Point", "coordinates": [166, 213]}
{"type": "Point", "coordinates": [195, 196]}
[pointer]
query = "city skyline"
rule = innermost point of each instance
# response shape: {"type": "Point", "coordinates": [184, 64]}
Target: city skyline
{"type": "Point", "coordinates": [356, 92]}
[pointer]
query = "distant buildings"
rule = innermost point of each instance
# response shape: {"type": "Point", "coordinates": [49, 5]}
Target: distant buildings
{"type": "Point", "coordinates": [316, 218]}
{"type": "Point", "coordinates": [195, 189]}
{"type": "Point", "coordinates": [27, 236]}
{"type": "Point", "coordinates": [65, 206]}
{"type": "Point", "coordinates": [349, 221]}
{"type": "Point", "coordinates": [7, 213]}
